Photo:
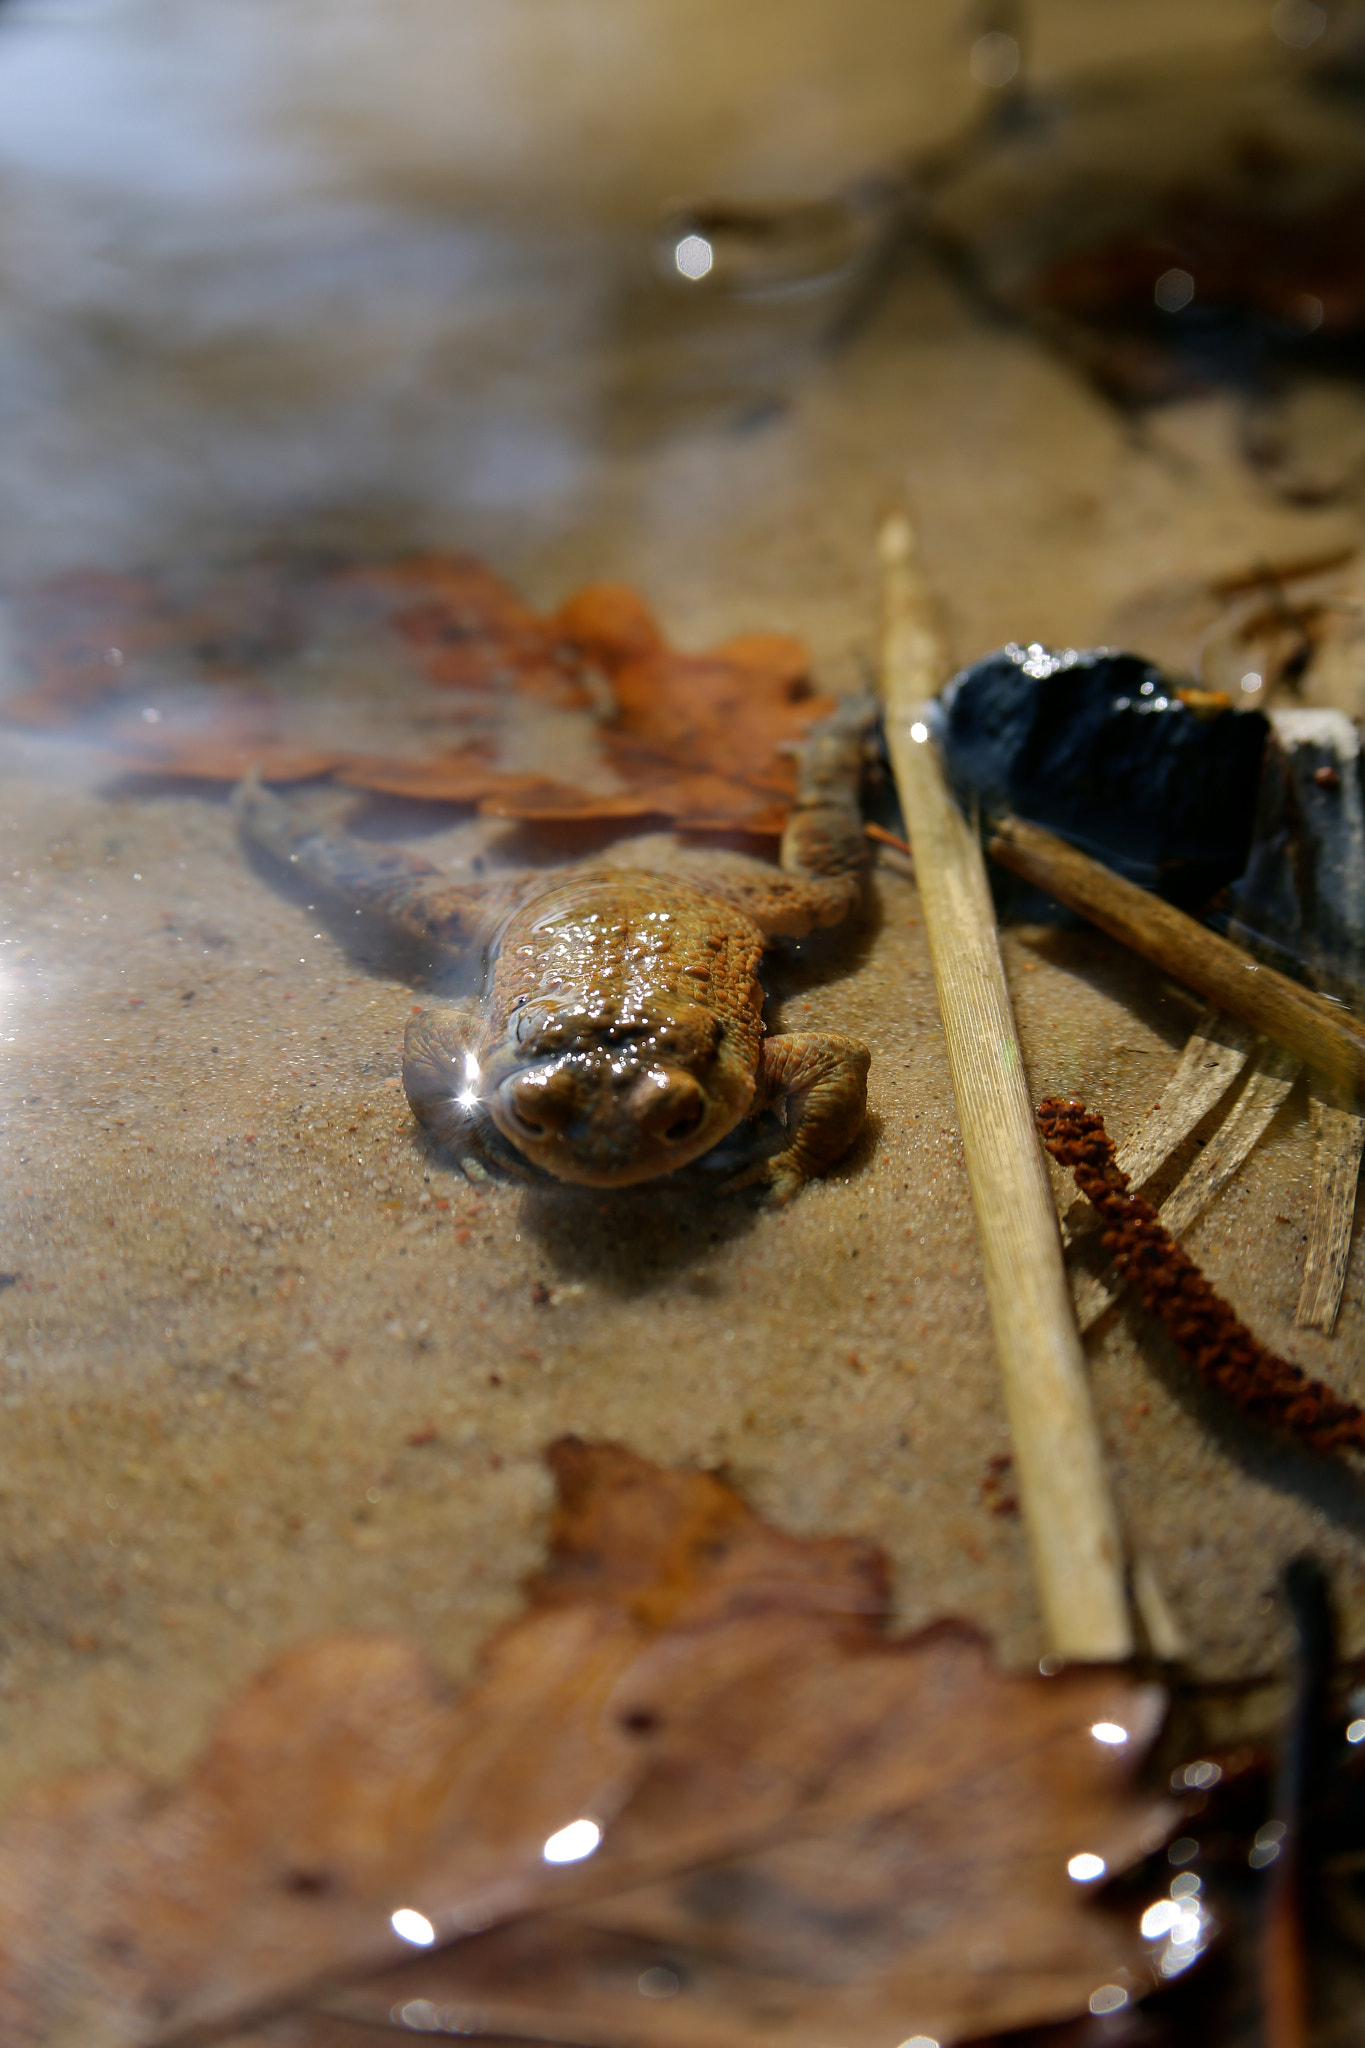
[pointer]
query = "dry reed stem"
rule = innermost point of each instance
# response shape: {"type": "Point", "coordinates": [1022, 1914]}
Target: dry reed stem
{"type": "Point", "coordinates": [1069, 1515]}
{"type": "Point", "coordinates": [1339, 1138]}
{"type": "Point", "coordinates": [1273, 1074]}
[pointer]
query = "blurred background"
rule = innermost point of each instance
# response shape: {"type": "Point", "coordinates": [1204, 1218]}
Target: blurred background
{"type": "Point", "coordinates": [525, 272]}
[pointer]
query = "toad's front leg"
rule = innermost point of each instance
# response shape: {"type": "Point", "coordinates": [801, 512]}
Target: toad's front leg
{"type": "Point", "coordinates": [819, 1081]}
{"type": "Point", "coordinates": [443, 1080]}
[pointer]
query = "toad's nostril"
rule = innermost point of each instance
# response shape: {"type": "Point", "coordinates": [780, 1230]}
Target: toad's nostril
{"type": "Point", "coordinates": [540, 1105]}
{"type": "Point", "coordinates": [673, 1113]}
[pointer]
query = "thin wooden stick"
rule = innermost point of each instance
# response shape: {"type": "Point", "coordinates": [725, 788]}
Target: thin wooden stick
{"type": "Point", "coordinates": [1069, 1514]}
{"type": "Point", "coordinates": [1339, 1139]}
{"type": "Point", "coordinates": [1324, 1036]}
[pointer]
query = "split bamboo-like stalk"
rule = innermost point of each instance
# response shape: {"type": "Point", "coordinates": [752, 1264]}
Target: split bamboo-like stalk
{"type": "Point", "coordinates": [1069, 1514]}
{"type": "Point", "coordinates": [1215, 1054]}
{"type": "Point", "coordinates": [1217, 1050]}
{"type": "Point", "coordinates": [1338, 1142]}
{"type": "Point", "coordinates": [1273, 1074]}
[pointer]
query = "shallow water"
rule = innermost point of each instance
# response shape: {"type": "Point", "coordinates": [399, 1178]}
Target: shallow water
{"type": "Point", "coordinates": [370, 279]}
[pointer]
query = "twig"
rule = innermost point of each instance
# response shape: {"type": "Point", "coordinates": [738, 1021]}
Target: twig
{"type": "Point", "coordinates": [1339, 1139]}
{"type": "Point", "coordinates": [1283, 1964]}
{"type": "Point", "coordinates": [885, 838]}
{"type": "Point", "coordinates": [1070, 1518]}
{"type": "Point", "coordinates": [1327, 1038]}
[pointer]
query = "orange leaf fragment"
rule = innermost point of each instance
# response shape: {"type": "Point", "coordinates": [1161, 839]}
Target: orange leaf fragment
{"type": "Point", "coordinates": [205, 759]}
{"type": "Point", "coordinates": [609, 622]}
{"type": "Point", "coordinates": [470, 630]}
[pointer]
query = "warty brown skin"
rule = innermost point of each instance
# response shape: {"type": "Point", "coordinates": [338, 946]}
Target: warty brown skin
{"type": "Point", "coordinates": [620, 1035]}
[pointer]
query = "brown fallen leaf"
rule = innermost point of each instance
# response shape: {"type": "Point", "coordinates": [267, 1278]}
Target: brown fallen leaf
{"type": "Point", "coordinates": [834, 1835]}
{"type": "Point", "coordinates": [92, 636]}
{"type": "Point", "coordinates": [701, 741]}
{"type": "Point", "coordinates": [469, 630]}
{"type": "Point", "coordinates": [228, 760]}
{"type": "Point", "coordinates": [696, 740]}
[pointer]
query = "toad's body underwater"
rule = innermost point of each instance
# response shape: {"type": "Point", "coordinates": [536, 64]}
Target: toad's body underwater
{"type": "Point", "coordinates": [620, 1034]}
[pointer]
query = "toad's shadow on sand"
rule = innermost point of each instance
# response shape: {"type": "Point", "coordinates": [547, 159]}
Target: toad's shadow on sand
{"type": "Point", "coordinates": [629, 1241]}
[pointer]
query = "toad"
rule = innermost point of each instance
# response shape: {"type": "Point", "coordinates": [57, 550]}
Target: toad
{"type": "Point", "coordinates": [620, 1033]}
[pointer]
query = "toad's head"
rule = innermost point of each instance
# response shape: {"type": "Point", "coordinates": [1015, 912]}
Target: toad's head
{"type": "Point", "coordinates": [601, 1100]}
{"type": "Point", "coordinates": [607, 1101]}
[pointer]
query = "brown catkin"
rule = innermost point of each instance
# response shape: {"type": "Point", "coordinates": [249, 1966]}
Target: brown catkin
{"type": "Point", "coordinates": [1203, 1326]}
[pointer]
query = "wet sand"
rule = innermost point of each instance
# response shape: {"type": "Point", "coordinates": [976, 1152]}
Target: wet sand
{"type": "Point", "coordinates": [268, 1365]}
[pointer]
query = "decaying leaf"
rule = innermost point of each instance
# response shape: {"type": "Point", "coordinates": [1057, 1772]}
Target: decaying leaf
{"type": "Point", "coordinates": [783, 1825]}
{"type": "Point", "coordinates": [703, 741]}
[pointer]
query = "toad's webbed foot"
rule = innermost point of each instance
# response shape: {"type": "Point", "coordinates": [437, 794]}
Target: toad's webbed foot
{"type": "Point", "coordinates": [404, 890]}
{"type": "Point", "coordinates": [819, 1080]}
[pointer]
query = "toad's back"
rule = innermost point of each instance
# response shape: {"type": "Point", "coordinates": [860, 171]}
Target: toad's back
{"type": "Point", "coordinates": [624, 947]}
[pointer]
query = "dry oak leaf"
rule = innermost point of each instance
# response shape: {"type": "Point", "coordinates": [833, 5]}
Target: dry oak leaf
{"type": "Point", "coordinates": [469, 630]}
{"type": "Point", "coordinates": [817, 1832]}
{"type": "Point", "coordinates": [701, 741]}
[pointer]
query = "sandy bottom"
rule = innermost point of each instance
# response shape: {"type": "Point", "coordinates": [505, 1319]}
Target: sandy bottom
{"type": "Point", "coordinates": [268, 1365]}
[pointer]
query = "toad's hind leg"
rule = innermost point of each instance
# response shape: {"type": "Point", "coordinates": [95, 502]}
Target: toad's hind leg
{"type": "Point", "coordinates": [824, 839]}
{"type": "Point", "coordinates": [404, 890]}
{"type": "Point", "coordinates": [824, 847]}
{"type": "Point", "coordinates": [819, 1079]}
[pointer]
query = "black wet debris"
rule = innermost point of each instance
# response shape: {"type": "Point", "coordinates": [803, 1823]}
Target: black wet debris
{"type": "Point", "coordinates": [1101, 748]}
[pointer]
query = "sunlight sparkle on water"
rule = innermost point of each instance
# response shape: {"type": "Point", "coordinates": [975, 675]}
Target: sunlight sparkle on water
{"type": "Point", "coordinates": [1085, 1868]}
{"type": "Point", "coordinates": [573, 1843]}
{"type": "Point", "coordinates": [994, 59]}
{"type": "Point", "coordinates": [694, 256]}
{"type": "Point", "coordinates": [413, 1927]}
{"type": "Point", "coordinates": [1298, 23]}
{"type": "Point", "coordinates": [1109, 1731]}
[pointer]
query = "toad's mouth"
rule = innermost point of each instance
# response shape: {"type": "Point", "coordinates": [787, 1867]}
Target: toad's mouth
{"type": "Point", "coordinates": [608, 1124]}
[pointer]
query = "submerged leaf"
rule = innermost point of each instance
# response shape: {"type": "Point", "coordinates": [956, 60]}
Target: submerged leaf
{"type": "Point", "coordinates": [695, 1794]}
{"type": "Point", "coordinates": [702, 741]}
